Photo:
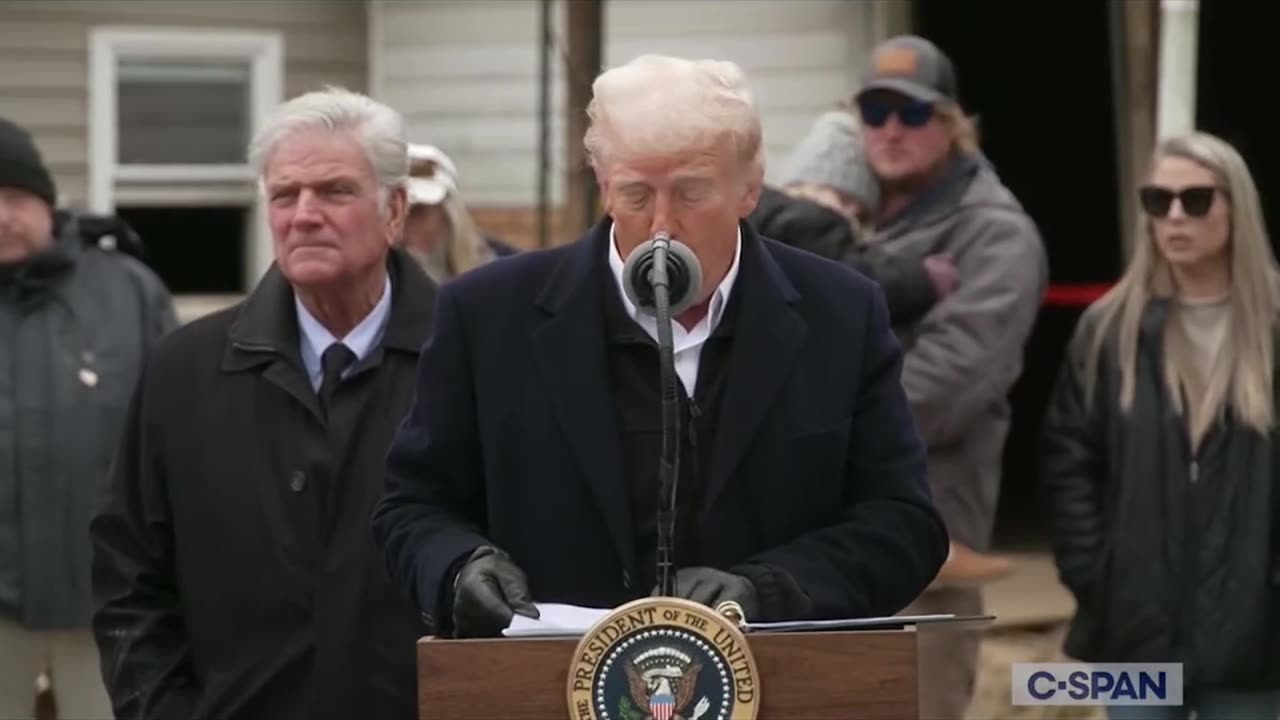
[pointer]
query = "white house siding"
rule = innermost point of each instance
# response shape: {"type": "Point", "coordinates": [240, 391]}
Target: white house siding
{"type": "Point", "coordinates": [465, 73]}
{"type": "Point", "coordinates": [44, 58]}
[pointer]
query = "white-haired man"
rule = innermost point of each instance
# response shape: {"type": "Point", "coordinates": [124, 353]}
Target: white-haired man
{"type": "Point", "coordinates": [526, 470]}
{"type": "Point", "coordinates": [233, 569]}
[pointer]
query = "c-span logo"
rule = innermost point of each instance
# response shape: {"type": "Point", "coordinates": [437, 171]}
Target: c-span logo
{"type": "Point", "coordinates": [1097, 684]}
{"type": "Point", "coordinates": [663, 659]}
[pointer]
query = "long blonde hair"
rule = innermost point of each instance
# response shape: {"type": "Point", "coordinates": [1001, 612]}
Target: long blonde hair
{"type": "Point", "coordinates": [1241, 376]}
{"type": "Point", "coordinates": [463, 246]}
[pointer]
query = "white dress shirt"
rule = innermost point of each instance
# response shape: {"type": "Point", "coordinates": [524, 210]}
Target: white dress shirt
{"type": "Point", "coordinates": [686, 344]}
{"type": "Point", "coordinates": [316, 338]}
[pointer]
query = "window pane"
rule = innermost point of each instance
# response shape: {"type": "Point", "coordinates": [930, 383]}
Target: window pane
{"type": "Point", "coordinates": [182, 113]}
{"type": "Point", "coordinates": [194, 249]}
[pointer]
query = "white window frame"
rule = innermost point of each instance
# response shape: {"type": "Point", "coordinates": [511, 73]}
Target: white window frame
{"type": "Point", "coordinates": [169, 184]}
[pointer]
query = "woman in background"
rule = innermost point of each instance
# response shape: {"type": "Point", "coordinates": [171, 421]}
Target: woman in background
{"type": "Point", "coordinates": [439, 230]}
{"type": "Point", "coordinates": [1160, 446]}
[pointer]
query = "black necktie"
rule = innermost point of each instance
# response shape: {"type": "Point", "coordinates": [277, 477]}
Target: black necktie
{"type": "Point", "coordinates": [337, 357]}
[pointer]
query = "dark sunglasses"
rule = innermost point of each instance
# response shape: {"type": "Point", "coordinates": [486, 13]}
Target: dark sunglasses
{"type": "Point", "coordinates": [912, 114]}
{"type": "Point", "coordinates": [1195, 201]}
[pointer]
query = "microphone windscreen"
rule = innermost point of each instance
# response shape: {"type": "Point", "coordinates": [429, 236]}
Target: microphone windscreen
{"type": "Point", "coordinates": [686, 277]}
{"type": "Point", "coordinates": [684, 274]}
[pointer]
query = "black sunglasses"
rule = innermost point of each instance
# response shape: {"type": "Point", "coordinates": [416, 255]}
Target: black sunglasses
{"type": "Point", "coordinates": [1195, 201]}
{"type": "Point", "coordinates": [913, 114]}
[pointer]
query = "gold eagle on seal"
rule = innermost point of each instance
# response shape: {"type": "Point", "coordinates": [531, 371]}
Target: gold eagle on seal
{"type": "Point", "coordinates": [666, 691]}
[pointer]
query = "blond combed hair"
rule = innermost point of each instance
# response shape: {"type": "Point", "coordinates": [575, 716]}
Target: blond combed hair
{"type": "Point", "coordinates": [658, 105]}
{"type": "Point", "coordinates": [1241, 376]}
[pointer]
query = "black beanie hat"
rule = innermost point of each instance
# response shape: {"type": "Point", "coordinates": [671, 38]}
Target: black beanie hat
{"type": "Point", "coordinates": [21, 165]}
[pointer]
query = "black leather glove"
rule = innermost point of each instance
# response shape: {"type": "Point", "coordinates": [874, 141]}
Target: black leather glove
{"type": "Point", "coordinates": [489, 590]}
{"type": "Point", "coordinates": [711, 587]}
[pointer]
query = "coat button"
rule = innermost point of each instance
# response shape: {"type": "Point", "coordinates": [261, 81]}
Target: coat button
{"type": "Point", "coordinates": [298, 481]}
{"type": "Point", "coordinates": [626, 579]}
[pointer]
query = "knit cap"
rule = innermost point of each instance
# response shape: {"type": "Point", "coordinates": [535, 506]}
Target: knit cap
{"type": "Point", "coordinates": [832, 155]}
{"type": "Point", "coordinates": [21, 165]}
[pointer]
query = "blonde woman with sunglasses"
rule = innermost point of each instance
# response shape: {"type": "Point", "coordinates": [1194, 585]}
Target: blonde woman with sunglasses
{"type": "Point", "coordinates": [1160, 452]}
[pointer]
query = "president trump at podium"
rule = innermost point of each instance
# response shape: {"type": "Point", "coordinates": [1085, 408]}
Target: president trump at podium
{"type": "Point", "coordinates": [530, 467]}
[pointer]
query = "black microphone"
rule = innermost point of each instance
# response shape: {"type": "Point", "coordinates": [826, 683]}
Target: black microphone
{"type": "Point", "coordinates": [662, 276]}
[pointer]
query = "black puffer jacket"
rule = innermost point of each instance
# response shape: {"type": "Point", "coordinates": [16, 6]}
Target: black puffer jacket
{"type": "Point", "coordinates": [807, 225]}
{"type": "Point", "coordinates": [1172, 556]}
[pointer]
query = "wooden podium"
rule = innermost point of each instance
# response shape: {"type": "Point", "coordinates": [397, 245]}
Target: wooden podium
{"type": "Point", "coordinates": [867, 674]}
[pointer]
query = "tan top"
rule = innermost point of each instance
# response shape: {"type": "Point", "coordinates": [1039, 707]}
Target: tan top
{"type": "Point", "coordinates": [1205, 324]}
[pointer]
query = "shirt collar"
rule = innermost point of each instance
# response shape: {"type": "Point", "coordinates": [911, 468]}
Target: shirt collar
{"type": "Point", "coordinates": [316, 338]}
{"type": "Point", "coordinates": [719, 299]}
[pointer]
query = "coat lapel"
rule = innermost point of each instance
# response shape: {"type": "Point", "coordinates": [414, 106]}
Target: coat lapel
{"type": "Point", "coordinates": [768, 337]}
{"type": "Point", "coordinates": [570, 349]}
{"type": "Point", "coordinates": [265, 333]}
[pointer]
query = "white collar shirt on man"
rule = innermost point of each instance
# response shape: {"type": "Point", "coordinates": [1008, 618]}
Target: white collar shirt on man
{"type": "Point", "coordinates": [686, 344]}
{"type": "Point", "coordinates": [316, 338]}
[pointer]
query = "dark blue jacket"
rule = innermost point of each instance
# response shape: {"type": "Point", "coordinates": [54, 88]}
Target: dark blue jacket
{"type": "Point", "coordinates": [818, 470]}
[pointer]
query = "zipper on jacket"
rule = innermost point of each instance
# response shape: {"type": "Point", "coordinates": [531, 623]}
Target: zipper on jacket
{"type": "Point", "coordinates": [694, 414]}
{"type": "Point", "coordinates": [1195, 472]}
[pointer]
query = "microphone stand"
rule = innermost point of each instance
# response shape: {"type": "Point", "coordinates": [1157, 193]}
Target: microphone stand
{"type": "Point", "coordinates": [669, 462]}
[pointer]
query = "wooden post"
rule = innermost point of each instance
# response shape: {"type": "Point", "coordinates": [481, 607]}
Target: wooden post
{"type": "Point", "coordinates": [1136, 34]}
{"type": "Point", "coordinates": [585, 41]}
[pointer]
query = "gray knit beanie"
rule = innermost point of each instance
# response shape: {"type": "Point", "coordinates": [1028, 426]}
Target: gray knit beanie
{"type": "Point", "coordinates": [832, 155]}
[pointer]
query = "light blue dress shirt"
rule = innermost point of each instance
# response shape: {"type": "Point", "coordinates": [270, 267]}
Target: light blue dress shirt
{"type": "Point", "coordinates": [361, 340]}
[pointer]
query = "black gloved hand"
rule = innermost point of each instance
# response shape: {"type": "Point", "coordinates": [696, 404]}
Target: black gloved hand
{"type": "Point", "coordinates": [489, 590]}
{"type": "Point", "coordinates": [711, 587]}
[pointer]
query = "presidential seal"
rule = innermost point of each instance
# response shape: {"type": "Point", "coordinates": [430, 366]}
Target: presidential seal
{"type": "Point", "coordinates": [664, 658]}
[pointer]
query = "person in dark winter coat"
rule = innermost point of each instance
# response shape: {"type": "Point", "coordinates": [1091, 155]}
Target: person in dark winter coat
{"type": "Point", "coordinates": [524, 472]}
{"type": "Point", "coordinates": [1160, 448]}
{"type": "Point", "coordinates": [76, 319]}
{"type": "Point", "coordinates": [824, 195]}
{"type": "Point", "coordinates": [234, 572]}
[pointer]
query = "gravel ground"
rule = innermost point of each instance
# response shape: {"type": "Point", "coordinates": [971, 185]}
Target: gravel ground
{"type": "Point", "coordinates": [1000, 649]}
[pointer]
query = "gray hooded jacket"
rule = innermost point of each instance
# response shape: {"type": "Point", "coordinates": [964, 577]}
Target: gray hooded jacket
{"type": "Point", "coordinates": [966, 353]}
{"type": "Point", "coordinates": [74, 330]}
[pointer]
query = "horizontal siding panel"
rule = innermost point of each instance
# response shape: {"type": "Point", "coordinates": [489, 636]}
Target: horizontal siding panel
{"type": "Point", "coordinates": [64, 148]}
{"type": "Point", "coordinates": [42, 111]}
{"type": "Point", "coordinates": [453, 97]}
{"type": "Point", "coordinates": [518, 61]}
{"type": "Point", "coordinates": [55, 35]}
{"type": "Point", "coordinates": [788, 127]}
{"type": "Point", "coordinates": [492, 134]}
{"type": "Point", "coordinates": [301, 80]}
{"type": "Point", "coordinates": [23, 72]}
{"type": "Point", "coordinates": [65, 39]}
{"type": "Point", "coordinates": [461, 23]}
{"type": "Point", "coordinates": [650, 19]}
{"type": "Point", "coordinates": [319, 13]}
{"type": "Point", "coordinates": [783, 91]}
{"type": "Point", "coordinates": [328, 45]}
{"type": "Point", "coordinates": [764, 50]}
{"type": "Point", "coordinates": [431, 62]}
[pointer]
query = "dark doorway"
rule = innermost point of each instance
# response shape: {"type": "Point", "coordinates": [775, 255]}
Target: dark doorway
{"type": "Point", "coordinates": [1230, 65]}
{"type": "Point", "coordinates": [194, 250]}
{"type": "Point", "coordinates": [1038, 76]}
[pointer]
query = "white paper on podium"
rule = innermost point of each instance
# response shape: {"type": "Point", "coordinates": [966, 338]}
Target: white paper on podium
{"type": "Point", "coordinates": [798, 625]}
{"type": "Point", "coordinates": [555, 620]}
{"type": "Point", "coordinates": [559, 620]}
